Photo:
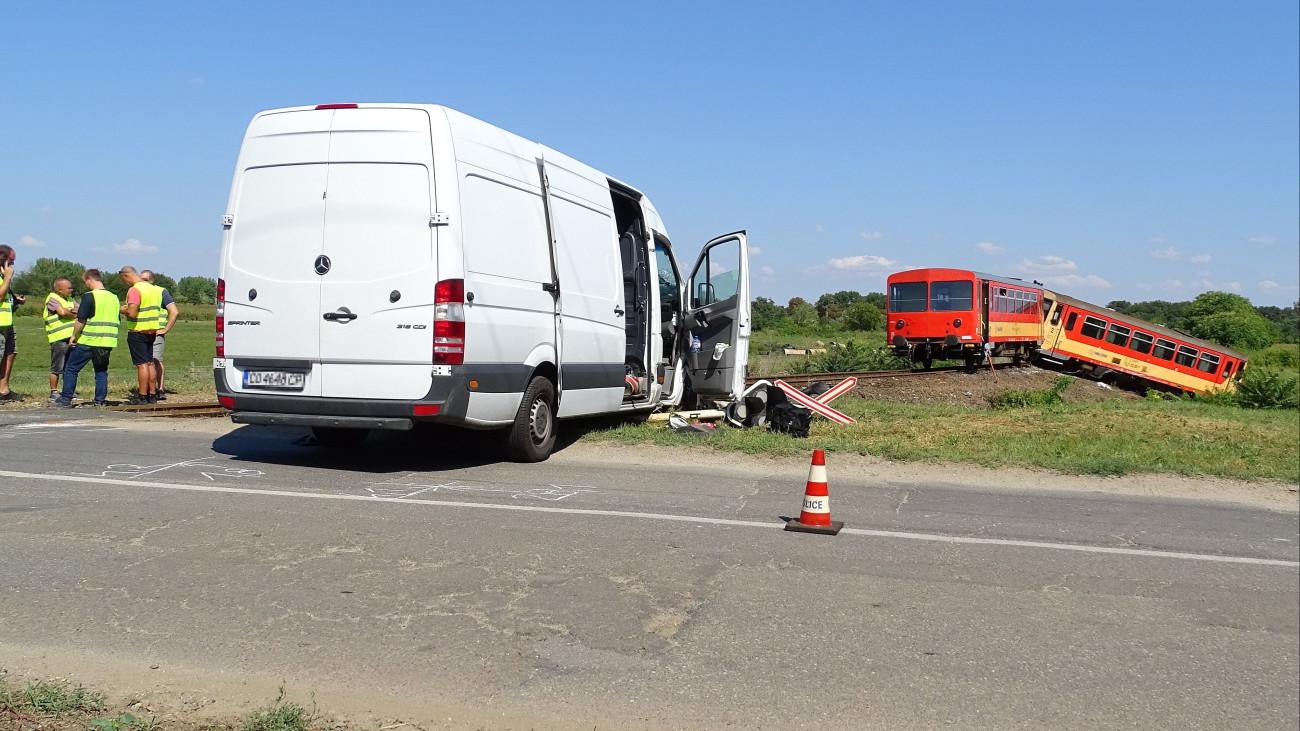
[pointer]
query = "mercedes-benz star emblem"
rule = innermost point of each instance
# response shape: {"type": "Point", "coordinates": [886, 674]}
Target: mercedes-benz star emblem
{"type": "Point", "coordinates": [322, 264]}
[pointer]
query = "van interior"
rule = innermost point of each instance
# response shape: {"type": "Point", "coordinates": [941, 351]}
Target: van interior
{"type": "Point", "coordinates": [634, 254]}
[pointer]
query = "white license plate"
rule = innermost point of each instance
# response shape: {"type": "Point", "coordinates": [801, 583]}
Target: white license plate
{"type": "Point", "coordinates": [285, 380]}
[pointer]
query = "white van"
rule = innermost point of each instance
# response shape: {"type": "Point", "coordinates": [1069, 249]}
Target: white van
{"type": "Point", "coordinates": [387, 264]}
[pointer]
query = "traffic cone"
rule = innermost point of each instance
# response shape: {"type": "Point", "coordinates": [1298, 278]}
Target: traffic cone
{"type": "Point", "coordinates": [815, 517]}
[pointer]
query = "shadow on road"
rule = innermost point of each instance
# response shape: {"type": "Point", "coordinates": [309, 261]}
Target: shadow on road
{"type": "Point", "coordinates": [426, 448]}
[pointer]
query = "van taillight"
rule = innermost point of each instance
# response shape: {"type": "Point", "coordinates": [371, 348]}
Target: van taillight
{"type": "Point", "coordinates": [449, 322]}
{"type": "Point", "coordinates": [221, 318]}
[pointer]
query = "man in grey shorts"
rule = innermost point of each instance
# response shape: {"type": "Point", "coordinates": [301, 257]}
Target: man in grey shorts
{"type": "Point", "coordinates": [169, 306]}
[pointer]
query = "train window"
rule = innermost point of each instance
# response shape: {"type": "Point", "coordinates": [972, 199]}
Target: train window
{"type": "Point", "coordinates": [1056, 316]}
{"type": "Point", "coordinates": [1227, 369]}
{"type": "Point", "coordinates": [1209, 363]}
{"type": "Point", "coordinates": [952, 296]}
{"type": "Point", "coordinates": [1069, 321]}
{"type": "Point", "coordinates": [1118, 334]}
{"type": "Point", "coordinates": [1092, 327]}
{"type": "Point", "coordinates": [1141, 342]}
{"type": "Point", "coordinates": [1033, 303]}
{"type": "Point", "coordinates": [1186, 355]}
{"type": "Point", "coordinates": [1020, 302]}
{"type": "Point", "coordinates": [1164, 349]}
{"type": "Point", "coordinates": [907, 297]}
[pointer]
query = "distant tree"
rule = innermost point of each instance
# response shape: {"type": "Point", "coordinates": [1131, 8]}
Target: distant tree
{"type": "Point", "coordinates": [1170, 314]}
{"type": "Point", "coordinates": [879, 300]}
{"type": "Point", "coordinates": [862, 315]}
{"type": "Point", "coordinates": [766, 313]}
{"type": "Point", "coordinates": [832, 306]}
{"type": "Point", "coordinates": [38, 279]}
{"type": "Point", "coordinates": [203, 291]}
{"type": "Point", "coordinates": [1120, 306]}
{"type": "Point", "coordinates": [113, 283]}
{"type": "Point", "coordinates": [1285, 319]}
{"type": "Point", "coordinates": [803, 314]}
{"type": "Point", "coordinates": [793, 303]}
{"type": "Point", "coordinates": [164, 281]}
{"type": "Point", "coordinates": [1229, 319]}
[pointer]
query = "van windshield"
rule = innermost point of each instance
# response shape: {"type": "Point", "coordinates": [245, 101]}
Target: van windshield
{"type": "Point", "coordinates": [907, 297]}
{"type": "Point", "coordinates": [952, 296]}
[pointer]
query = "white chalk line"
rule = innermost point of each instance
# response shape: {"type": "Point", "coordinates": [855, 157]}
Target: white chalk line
{"type": "Point", "coordinates": [659, 516]}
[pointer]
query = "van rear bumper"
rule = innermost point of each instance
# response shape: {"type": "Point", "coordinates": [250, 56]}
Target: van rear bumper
{"type": "Point", "coordinates": [450, 394]}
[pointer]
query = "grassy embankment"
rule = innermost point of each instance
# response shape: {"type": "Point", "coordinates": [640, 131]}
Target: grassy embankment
{"type": "Point", "coordinates": [1115, 437]}
{"type": "Point", "coordinates": [62, 707]}
{"type": "Point", "coordinates": [190, 348]}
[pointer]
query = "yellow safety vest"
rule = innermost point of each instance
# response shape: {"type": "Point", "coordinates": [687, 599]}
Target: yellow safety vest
{"type": "Point", "coordinates": [146, 318]}
{"type": "Point", "coordinates": [57, 327]}
{"type": "Point", "coordinates": [6, 308]}
{"type": "Point", "coordinates": [101, 330]}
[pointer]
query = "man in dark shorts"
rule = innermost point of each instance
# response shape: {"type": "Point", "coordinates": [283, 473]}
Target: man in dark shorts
{"type": "Point", "coordinates": [8, 301]}
{"type": "Point", "coordinates": [140, 316]}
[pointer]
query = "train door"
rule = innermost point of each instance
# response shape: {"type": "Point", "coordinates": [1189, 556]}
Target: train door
{"type": "Point", "coordinates": [984, 310]}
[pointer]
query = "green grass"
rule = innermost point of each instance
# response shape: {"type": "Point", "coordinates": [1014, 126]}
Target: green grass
{"type": "Point", "coordinates": [1103, 438]}
{"type": "Point", "coordinates": [190, 349]}
{"type": "Point", "coordinates": [280, 716]}
{"type": "Point", "coordinates": [50, 698]}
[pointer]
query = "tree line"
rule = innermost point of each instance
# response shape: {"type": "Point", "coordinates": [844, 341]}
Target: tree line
{"type": "Point", "coordinates": [37, 280]}
{"type": "Point", "coordinates": [1221, 317]}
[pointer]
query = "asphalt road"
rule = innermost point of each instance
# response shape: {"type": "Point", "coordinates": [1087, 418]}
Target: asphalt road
{"type": "Point", "coordinates": [613, 587]}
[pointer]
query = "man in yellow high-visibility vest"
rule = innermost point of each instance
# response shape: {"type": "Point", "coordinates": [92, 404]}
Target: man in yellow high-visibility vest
{"type": "Point", "coordinates": [7, 302]}
{"type": "Point", "coordinates": [93, 338]}
{"type": "Point", "coordinates": [140, 315]}
{"type": "Point", "coordinates": [60, 317]}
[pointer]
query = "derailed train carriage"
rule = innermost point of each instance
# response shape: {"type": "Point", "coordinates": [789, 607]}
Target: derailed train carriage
{"type": "Point", "coordinates": [957, 314]}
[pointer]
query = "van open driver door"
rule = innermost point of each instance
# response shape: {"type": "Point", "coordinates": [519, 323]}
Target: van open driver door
{"type": "Point", "coordinates": [717, 311]}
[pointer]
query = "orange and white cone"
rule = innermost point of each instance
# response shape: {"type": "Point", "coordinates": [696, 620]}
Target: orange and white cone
{"type": "Point", "coordinates": [815, 516]}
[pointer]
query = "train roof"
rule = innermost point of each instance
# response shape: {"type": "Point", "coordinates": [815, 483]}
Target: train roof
{"type": "Point", "coordinates": [1013, 281]}
{"type": "Point", "coordinates": [1167, 332]}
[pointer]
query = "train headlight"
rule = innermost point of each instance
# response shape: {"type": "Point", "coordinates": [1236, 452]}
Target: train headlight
{"type": "Point", "coordinates": [957, 322]}
{"type": "Point", "coordinates": [899, 325]}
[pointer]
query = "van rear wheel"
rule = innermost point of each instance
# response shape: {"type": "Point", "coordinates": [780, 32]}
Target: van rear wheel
{"type": "Point", "coordinates": [532, 437]}
{"type": "Point", "coordinates": [334, 436]}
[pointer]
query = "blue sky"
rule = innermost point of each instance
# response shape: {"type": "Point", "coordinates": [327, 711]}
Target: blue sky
{"type": "Point", "coordinates": [1115, 150]}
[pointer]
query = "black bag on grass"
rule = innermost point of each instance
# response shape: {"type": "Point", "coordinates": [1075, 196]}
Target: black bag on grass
{"type": "Point", "coordinates": [786, 417]}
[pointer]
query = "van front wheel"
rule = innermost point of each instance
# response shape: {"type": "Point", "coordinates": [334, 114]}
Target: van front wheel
{"type": "Point", "coordinates": [532, 437]}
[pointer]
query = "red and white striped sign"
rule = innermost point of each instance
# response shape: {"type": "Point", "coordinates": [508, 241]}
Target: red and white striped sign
{"type": "Point", "coordinates": [819, 404]}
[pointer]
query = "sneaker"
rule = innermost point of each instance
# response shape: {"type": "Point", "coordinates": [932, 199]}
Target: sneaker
{"type": "Point", "coordinates": [61, 403]}
{"type": "Point", "coordinates": [136, 399]}
{"type": "Point", "coordinates": [99, 404]}
{"type": "Point", "coordinates": [54, 393]}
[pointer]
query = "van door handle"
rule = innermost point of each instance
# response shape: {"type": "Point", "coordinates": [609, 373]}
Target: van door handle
{"type": "Point", "coordinates": [344, 316]}
{"type": "Point", "coordinates": [618, 311]}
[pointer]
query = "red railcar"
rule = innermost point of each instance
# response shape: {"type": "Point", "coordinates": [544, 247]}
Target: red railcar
{"type": "Point", "coordinates": [937, 314]}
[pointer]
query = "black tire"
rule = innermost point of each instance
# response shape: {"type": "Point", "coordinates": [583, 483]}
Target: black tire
{"type": "Point", "coordinates": [334, 436]}
{"type": "Point", "coordinates": [532, 437]}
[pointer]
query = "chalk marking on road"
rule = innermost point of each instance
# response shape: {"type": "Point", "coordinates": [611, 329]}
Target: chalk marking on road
{"type": "Point", "coordinates": [656, 516]}
{"type": "Point", "coordinates": [9, 431]}
{"type": "Point", "coordinates": [135, 470]}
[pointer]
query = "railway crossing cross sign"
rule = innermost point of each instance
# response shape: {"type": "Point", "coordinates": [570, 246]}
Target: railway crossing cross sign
{"type": "Point", "coordinates": [821, 404]}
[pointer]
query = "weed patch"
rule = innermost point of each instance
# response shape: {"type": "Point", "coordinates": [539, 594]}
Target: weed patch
{"type": "Point", "coordinates": [281, 716]}
{"type": "Point", "coordinates": [1011, 398]}
{"type": "Point", "coordinates": [50, 698]}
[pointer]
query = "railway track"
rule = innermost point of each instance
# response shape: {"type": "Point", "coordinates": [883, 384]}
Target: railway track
{"type": "Point", "coordinates": [202, 408]}
{"type": "Point", "coordinates": [805, 380]}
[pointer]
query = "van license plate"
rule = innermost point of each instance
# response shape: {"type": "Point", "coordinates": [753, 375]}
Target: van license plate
{"type": "Point", "coordinates": [283, 380]}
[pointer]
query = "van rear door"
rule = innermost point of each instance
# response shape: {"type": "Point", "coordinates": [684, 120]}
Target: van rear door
{"type": "Point", "coordinates": [272, 293]}
{"type": "Point", "coordinates": [717, 311]}
{"type": "Point", "coordinates": [375, 314]}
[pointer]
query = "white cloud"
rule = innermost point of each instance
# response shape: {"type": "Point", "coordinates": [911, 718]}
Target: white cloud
{"type": "Point", "coordinates": [30, 242]}
{"type": "Point", "coordinates": [1168, 285]}
{"type": "Point", "coordinates": [1157, 239]}
{"type": "Point", "coordinates": [990, 249]}
{"type": "Point", "coordinates": [134, 246]}
{"type": "Point", "coordinates": [1170, 254]}
{"type": "Point", "coordinates": [1263, 240]}
{"type": "Point", "coordinates": [1200, 259]}
{"type": "Point", "coordinates": [196, 83]}
{"type": "Point", "coordinates": [47, 209]}
{"type": "Point", "coordinates": [715, 268]}
{"type": "Point", "coordinates": [864, 263]}
{"type": "Point", "coordinates": [1047, 265]}
{"type": "Point", "coordinates": [871, 235]}
{"type": "Point", "coordinates": [1090, 281]}
{"type": "Point", "coordinates": [819, 228]}
{"type": "Point", "coordinates": [1234, 286]}
{"type": "Point", "coordinates": [767, 274]}
{"type": "Point", "coordinates": [1268, 285]}
{"type": "Point", "coordinates": [755, 251]}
